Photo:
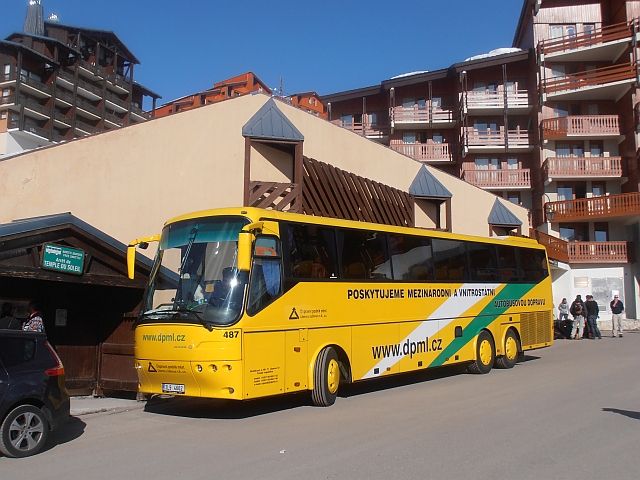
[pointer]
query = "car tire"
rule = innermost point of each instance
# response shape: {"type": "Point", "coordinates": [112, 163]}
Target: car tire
{"type": "Point", "coordinates": [326, 378]}
{"type": "Point", "coordinates": [24, 432]}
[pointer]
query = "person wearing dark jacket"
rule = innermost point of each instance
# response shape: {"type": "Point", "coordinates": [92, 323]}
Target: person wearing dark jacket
{"type": "Point", "coordinates": [617, 307]}
{"type": "Point", "coordinates": [592, 317]}
{"type": "Point", "coordinates": [578, 311]}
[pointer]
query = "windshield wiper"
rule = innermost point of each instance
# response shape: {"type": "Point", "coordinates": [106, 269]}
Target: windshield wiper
{"type": "Point", "coordinates": [194, 233]}
{"type": "Point", "coordinates": [182, 311]}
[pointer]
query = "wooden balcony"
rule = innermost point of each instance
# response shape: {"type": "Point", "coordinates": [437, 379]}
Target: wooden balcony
{"type": "Point", "coordinates": [277, 196]}
{"type": "Point", "coordinates": [563, 168]}
{"type": "Point", "coordinates": [510, 179]}
{"type": "Point", "coordinates": [487, 101]}
{"type": "Point", "coordinates": [556, 247]}
{"type": "Point", "coordinates": [598, 252]}
{"type": "Point", "coordinates": [598, 44]}
{"type": "Point", "coordinates": [600, 83]}
{"type": "Point", "coordinates": [409, 117]}
{"type": "Point", "coordinates": [366, 130]}
{"type": "Point", "coordinates": [496, 140]}
{"type": "Point", "coordinates": [425, 152]}
{"type": "Point", "coordinates": [581, 126]}
{"type": "Point", "coordinates": [594, 208]}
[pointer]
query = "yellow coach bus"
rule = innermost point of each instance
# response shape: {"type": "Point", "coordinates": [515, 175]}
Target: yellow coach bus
{"type": "Point", "coordinates": [245, 303]}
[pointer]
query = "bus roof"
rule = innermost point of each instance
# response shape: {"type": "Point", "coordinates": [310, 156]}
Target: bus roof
{"type": "Point", "coordinates": [258, 214]}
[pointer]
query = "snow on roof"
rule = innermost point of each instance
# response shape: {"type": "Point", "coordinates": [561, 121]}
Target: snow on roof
{"type": "Point", "coordinates": [493, 53]}
{"type": "Point", "coordinates": [417, 72]}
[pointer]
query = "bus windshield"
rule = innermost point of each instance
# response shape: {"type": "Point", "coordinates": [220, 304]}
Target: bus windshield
{"type": "Point", "coordinates": [195, 277]}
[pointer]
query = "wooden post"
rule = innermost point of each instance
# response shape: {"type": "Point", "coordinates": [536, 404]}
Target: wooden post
{"type": "Point", "coordinates": [298, 171]}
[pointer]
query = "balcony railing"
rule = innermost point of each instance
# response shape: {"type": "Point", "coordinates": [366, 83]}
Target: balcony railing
{"type": "Point", "coordinates": [585, 209]}
{"type": "Point", "coordinates": [21, 122]}
{"type": "Point", "coordinates": [366, 130]}
{"type": "Point", "coordinates": [276, 196]}
{"type": "Point", "coordinates": [481, 138]}
{"type": "Point", "coordinates": [509, 178]}
{"type": "Point", "coordinates": [86, 127]}
{"type": "Point", "coordinates": [113, 118]}
{"type": "Point", "coordinates": [598, 252]}
{"type": "Point", "coordinates": [34, 105]}
{"type": "Point", "coordinates": [590, 78]}
{"type": "Point", "coordinates": [112, 97]}
{"type": "Point", "coordinates": [515, 99]}
{"type": "Point", "coordinates": [65, 95]}
{"type": "Point", "coordinates": [556, 247]}
{"type": "Point", "coordinates": [581, 126]}
{"type": "Point", "coordinates": [422, 115]}
{"type": "Point", "coordinates": [96, 90]}
{"type": "Point", "coordinates": [87, 105]}
{"type": "Point", "coordinates": [37, 84]}
{"type": "Point", "coordinates": [571, 167]}
{"type": "Point", "coordinates": [138, 111]}
{"type": "Point", "coordinates": [424, 151]}
{"type": "Point", "coordinates": [9, 99]}
{"type": "Point", "coordinates": [587, 39]}
{"type": "Point", "coordinates": [61, 117]}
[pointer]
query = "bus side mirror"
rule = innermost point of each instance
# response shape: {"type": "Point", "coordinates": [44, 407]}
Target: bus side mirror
{"type": "Point", "coordinates": [131, 252]}
{"type": "Point", "coordinates": [245, 242]}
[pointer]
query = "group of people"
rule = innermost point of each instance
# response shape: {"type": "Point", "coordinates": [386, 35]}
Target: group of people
{"type": "Point", "coordinates": [33, 323]}
{"type": "Point", "coordinates": [585, 317]}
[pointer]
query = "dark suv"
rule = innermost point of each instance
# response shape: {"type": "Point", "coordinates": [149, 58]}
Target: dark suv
{"type": "Point", "coordinates": [33, 398]}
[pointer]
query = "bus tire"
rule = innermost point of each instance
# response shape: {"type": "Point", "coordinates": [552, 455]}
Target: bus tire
{"type": "Point", "coordinates": [326, 378]}
{"type": "Point", "coordinates": [485, 354]}
{"type": "Point", "coordinates": [511, 351]}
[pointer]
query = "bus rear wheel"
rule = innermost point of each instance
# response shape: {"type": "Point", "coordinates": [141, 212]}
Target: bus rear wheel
{"type": "Point", "coordinates": [485, 354]}
{"type": "Point", "coordinates": [326, 378]}
{"type": "Point", "coordinates": [511, 351]}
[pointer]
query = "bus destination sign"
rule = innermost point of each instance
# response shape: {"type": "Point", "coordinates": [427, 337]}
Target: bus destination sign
{"type": "Point", "coordinates": [63, 259]}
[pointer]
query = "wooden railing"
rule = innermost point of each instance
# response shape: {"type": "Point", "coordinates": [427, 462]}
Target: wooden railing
{"type": "Point", "coordinates": [598, 252]}
{"type": "Point", "coordinates": [556, 247]}
{"type": "Point", "coordinates": [37, 84]}
{"type": "Point", "coordinates": [515, 138]}
{"type": "Point", "coordinates": [602, 35]}
{"type": "Point", "coordinates": [509, 178]}
{"type": "Point", "coordinates": [422, 114]}
{"type": "Point", "coordinates": [364, 129]}
{"type": "Point", "coordinates": [581, 209]}
{"type": "Point", "coordinates": [276, 196]}
{"type": "Point", "coordinates": [558, 167]}
{"type": "Point", "coordinates": [595, 77]}
{"type": "Point", "coordinates": [581, 125]}
{"type": "Point", "coordinates": [517, 99]}
{"type": "Point", "coordinates": [424, 151]}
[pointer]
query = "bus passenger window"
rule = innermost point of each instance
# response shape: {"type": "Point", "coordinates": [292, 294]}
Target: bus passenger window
{"type": "Point", "coordinates": [363, 255]}
{"type": "Point", "coordinates": [411, 258]}
{"type": "Point", "coordinates": [483, 264]}
{"type": "Point", "coordinates": [266, 281]}
{"type": "Point", "coordinates": [450, 259]}
{"type": "Point", "coordinates": [534, 264]}
{"type": "Point", "coordinates": [508, 264]}
{"type": "Point", "coordinates": [309, 251]}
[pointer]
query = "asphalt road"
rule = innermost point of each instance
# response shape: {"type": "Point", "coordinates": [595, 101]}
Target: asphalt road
{"type": "Point", "coordinates": [571, 411]}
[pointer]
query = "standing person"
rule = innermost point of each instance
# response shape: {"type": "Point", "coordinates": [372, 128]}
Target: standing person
{"type": "Point", "coordinates": [7, 318]}
{"type": "Point", "coordinates": [592, 317]}
{"type": "Point", "coordinates": [578, 311]}
{"type": "Point", "coordinates": [617, 307]}
{"type": "Point", "coordinates": [563, 310]}
{"type": "Point", "coordinates": [34, 322]}
{"type": "Point", "coordinates": [565, 325]}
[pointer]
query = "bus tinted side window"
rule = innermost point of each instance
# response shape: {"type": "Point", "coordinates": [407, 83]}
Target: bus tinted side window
{"type": "Point", "coordinates": [363, 255]}
{"type": "Point", "coordinates": [450, 259]}
{"type": "Point", "coordinates": [411, 258]}
{"type": "Point", "coordinates": [309, 251]}
{"type": "Point", "coordinates": [534, 264]}
{"type": "Point", "coordinates": [508, 264]}
{"type": "Point", "coordinates": [483, 264]}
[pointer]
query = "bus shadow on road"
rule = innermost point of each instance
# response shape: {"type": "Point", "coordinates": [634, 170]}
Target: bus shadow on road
{"type": "Point", "coordinates": [626, 413]}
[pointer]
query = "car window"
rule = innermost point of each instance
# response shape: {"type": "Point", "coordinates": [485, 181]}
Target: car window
{"type": "Point", "coordinates": [15, 351]}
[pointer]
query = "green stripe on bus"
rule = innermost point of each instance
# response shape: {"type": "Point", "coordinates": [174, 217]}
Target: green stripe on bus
{"type": "Point", "coordinates": [484, 318]}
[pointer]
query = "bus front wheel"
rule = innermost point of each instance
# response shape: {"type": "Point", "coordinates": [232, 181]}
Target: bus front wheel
{"type": "Point", "coordinates": [485, 354]}
{"type": "Point", "coordinates": [511, 351]}
{"type": "Point", "coordinates": [326, 378]}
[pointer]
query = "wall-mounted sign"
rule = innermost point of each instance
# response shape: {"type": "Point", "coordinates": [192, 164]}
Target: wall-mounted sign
{"type": "Point", "coordinates": [61, 317]}
{"type": "Point", "coordinates": [62, 259]}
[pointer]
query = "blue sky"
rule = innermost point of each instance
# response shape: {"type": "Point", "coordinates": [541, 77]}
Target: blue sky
{"type": "Point", "coordinates": [326, 46]}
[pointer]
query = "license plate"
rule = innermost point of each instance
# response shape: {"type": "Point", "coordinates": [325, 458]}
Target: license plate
{"type": "Point", "coordinates": [172, 388]}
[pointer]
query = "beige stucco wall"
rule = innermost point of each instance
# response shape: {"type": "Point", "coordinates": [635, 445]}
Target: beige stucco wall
{"type": "Point", "coordinates": [128, 182]}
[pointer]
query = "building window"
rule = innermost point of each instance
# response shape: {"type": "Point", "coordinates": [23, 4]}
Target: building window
{"type": "Point", "coordinates": [3, 115]}
{"type": "Point", "coordinates": [408, 137]}
{"type": "Point", "coordinates": [436, 103]}
{"type": "Point", "coordinates": [565, 192]}
{"type": "Point", "coordinates": [6, 92]}
{"type": "Point", "coordinates": [598, 189]}
{"type": "Point", "coordinates": [595, 148]}
{"type": "Point", "coordinates": [601, 232]}
{"type": "Point", "coordinates": [589, 28]}
{"type": "Point", "coordinates": [513, 197]}
{"type": "Point", "coordinates": [487, 164]}
{"type": "Point", "coordinates": [437, 138]}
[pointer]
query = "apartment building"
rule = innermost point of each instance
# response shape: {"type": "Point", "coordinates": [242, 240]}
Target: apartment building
{"type": "Point", "coordinates": [242, 84]}
{"type": "Point", "coordinates": [59, 82]}
{"type": "Point", "coordinates": [310, 102]}
{"type": "Point", "coordinates": [550, 124]}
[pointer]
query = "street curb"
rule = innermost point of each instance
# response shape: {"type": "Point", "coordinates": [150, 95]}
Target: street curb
{"type": "Point", "coordinates": [80, 412]}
